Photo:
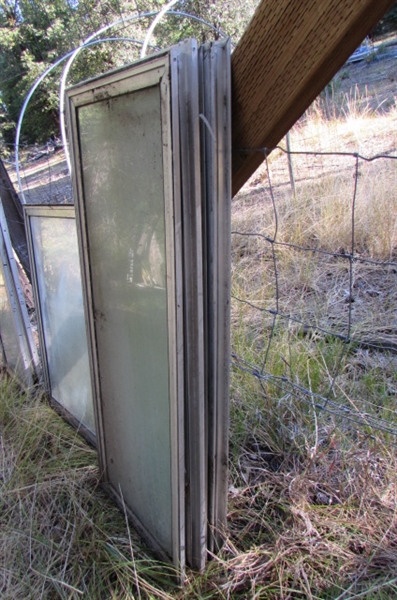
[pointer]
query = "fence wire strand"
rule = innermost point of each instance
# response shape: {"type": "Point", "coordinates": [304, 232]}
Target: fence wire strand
{"type": "Point", "coordinates": [353, 338]}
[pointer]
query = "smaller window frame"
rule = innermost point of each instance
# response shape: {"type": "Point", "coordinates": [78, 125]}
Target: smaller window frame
{"type": "Point", "coordinates": [31, 371]}
{"type": "Point", "coordinates": [64, 211]}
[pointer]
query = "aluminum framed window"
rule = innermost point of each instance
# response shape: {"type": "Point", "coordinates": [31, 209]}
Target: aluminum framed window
{"type": "Point", "coordinates": [18, 347]}
{"type": "Point", "coordinates": [144, 201]}
{"type": "Point", "coordinates": [57, 287]}
{"type": "Point", "coordinates": [121, 130]}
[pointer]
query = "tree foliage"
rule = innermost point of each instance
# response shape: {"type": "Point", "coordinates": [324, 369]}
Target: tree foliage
{"type": "Point", "coordinates": [35, 33]}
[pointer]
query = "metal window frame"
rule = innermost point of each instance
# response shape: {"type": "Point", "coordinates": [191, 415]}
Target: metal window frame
{"type": "Point", "coordinates": [187, 176]}
{"type": "Point", "coordinates": [215, 109]}
{"type": "Point", "coordinates": [141, 75]}
{"type": "Point", "coordinates": [50, 211]}
{"type": "Point", "coordinates": [23, 329]}
{"type": "Point", "coordinates": [197, 132]}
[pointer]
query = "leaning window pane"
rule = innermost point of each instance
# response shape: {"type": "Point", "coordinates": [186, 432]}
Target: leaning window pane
{"type": "Point", "coordinates": [13, 358]}
{"type": "Point", "coordinates": [58, 281]}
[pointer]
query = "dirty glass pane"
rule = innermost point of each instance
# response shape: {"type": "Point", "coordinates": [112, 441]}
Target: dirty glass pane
{"type": "Point", "coordinates": [8, 333]}
{"type": "Point", "coordinates": [61, 303]}
{"type": "Point", "coordinates": [122, 166]}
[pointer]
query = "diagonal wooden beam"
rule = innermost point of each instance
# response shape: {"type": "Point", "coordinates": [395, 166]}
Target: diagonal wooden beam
{"type": "Point", "coordinates": [289, 52]}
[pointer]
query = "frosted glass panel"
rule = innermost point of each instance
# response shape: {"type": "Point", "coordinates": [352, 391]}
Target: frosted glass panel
{"type": "Point", "coordinates": [58, 278]}
{"type": "Point", "coordinates": [122, 164]}
{"type": "Point", "coordinates": [8, 334]}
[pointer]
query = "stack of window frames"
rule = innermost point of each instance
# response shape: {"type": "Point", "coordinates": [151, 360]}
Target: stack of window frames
{"type": "Point", "coordinates": [151, 175]}
{"type": "Point", "coordinates": [18, 348]}
{"type": "Point", "coordinates": [55, 267]}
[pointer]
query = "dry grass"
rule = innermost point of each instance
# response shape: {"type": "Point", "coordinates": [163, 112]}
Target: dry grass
{"type": "Point", "coordinates": [310, 516]}
{"type": "Point", "coordinates": [340, 208]}
{"type": "Point", "coordinates": [318, 484]}
{"type": "Point", "coordinates": [60, 536]}
{"type": "Point", "coordinates": [45, 180]}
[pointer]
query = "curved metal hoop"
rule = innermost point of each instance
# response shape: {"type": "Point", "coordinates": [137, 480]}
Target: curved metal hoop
{"type": "Point", "coordinates": [72, 55]}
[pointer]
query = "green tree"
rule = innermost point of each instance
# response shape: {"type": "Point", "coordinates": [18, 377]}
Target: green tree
{"type": "Point", "coordinates": [231, 17]}
{"type": "Point", "coordinates": [35, 33]}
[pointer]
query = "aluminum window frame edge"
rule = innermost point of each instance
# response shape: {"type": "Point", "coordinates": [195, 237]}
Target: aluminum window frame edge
{"type": "Point", "coordinates": [25, 378]}
{"type": "Point", "coordinates": [186, 135]}
{"type": "Point", "coordinates": [65, 211]}
{"type": "Point", "coordinates": [23, 328]}
{"type": "Point", "coordinates": [215, 82]}
{"type": "Point", "coordinates": [152, 71]}
{"type": "Point", "coordinates": [3, 355]}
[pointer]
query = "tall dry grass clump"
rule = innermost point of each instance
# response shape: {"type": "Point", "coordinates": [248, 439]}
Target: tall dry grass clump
{"type": "Point", "coordinates": [60, 535]}
{"type": "Point", "coordinates": [311, 515]}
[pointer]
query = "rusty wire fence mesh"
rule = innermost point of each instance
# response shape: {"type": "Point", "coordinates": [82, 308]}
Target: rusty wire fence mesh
{"type": "Point", "coordinates": [314, 282]}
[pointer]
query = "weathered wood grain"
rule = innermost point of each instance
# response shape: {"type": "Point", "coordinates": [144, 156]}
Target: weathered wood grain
{"type": "Point", "coordinates": [287, 55]}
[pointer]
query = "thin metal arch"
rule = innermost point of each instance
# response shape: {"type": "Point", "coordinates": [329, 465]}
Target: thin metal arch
{"type": "Point", "coordinates": [34, 88]}
{"type": "Point", "coordinates": [154, 23]}
{"type": "Point", "coordinates": [71, 56]}
{"type": "Point", "coordinates": [91, 37]}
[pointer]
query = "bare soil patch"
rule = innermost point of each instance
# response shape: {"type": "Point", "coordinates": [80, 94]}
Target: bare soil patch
{"type": "Point", "coordinates": [45, 180]}
{"type": "Point", "coordinates": [374, 78]}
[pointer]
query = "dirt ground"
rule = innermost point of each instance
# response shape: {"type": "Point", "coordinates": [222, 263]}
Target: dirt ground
{"type": "Point", "coordinates": [374, 78]}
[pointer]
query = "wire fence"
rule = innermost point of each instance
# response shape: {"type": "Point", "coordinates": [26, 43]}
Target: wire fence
{"type": "Point", "coordinates": [314, 264]}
